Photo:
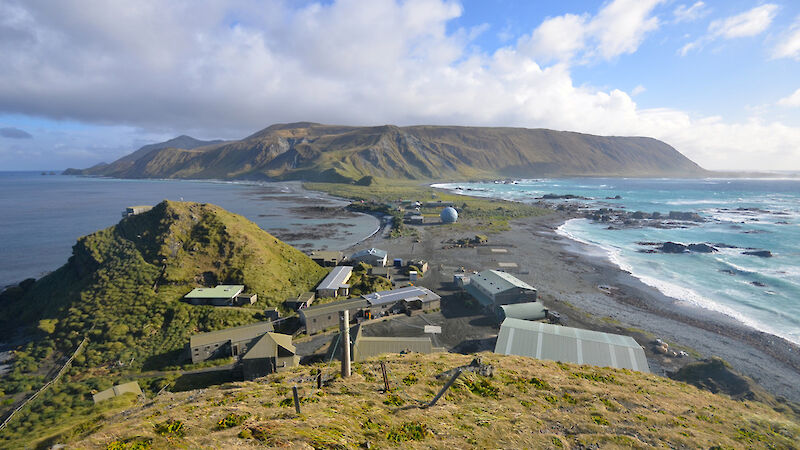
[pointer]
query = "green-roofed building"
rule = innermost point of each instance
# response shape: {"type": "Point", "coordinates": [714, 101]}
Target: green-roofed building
{"type": "Point", "coordinates": [272, 352]}
{"type": "Point", "coordinates": [228, 342]}
{"type": "Point", "coordinates": [319, 317]}
{"type": "Point", "coordinates": [572, 345]}
{"type": "Point", "coordinates": [221, 295]}
{"type": "Point", "coordinates": [120, 389]}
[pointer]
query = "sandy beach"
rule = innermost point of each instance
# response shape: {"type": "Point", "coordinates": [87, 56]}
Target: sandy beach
{"type": "Point", "coordinates": [568, 276]}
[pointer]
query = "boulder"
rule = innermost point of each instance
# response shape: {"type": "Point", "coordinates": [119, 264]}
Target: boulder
{"type": "Point", "coordinates": [701, 248]}
{"type": "Point", "coordinates": [672, 247]}
{"type": "Point", "coordinates": [759, 253]}
{"type": "Point", "coordinates": [687, 216]}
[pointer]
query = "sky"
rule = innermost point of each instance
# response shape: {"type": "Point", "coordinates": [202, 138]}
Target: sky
{"type": "Point", "coordinates": [87, 81]}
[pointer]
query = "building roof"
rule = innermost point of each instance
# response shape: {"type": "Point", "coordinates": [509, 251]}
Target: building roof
{"type": "Point", "coordinates": [240, 333]}
{"type": "Point", "coordinates": [120, 389]}
{"type": "Point", "coordinates": [221, 291]}
{"type": "Point", "coordinates": [326, 254]}
{"type": "Point", "coordinates": [524, 311]}
{"type": "Point", "coordinates": [370, 252]}
{"type": "Point", "coordinates": [566, 344]}
{"type": "Point", "coordinates": [396, 295]}
{"type": "Point", "coordinates": [334, 307]}
{"type": "Point", "coordinates": [477, 294]}
{"type": "Point", "coordinates": [367, 347]}
{"type": "Point", "coordinates": [495, 281]}
{"type": "Point", "coordinates": [336, 279]}
{"type": "Point", "coordinates": [267, 346]}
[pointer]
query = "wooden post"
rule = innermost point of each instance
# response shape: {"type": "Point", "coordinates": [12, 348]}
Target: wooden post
{"type": "Point", "coordinates": [385, 378]}
{"type": "Point", "coordinates": [344, 328]}
{"type": "Point", "coordinates": [445, 388]}
{"type": "Point", "coordinates": [319, 380]}
{"type": "Point", "coordinates": [296, 400]}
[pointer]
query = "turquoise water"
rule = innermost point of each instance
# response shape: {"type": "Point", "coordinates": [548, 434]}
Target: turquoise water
{"type": "Point", "coordinates": [763, 293]}
{"type": "Point", "coordinates": [41, 217]}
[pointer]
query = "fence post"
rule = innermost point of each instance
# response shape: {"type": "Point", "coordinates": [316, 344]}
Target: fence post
{"type": "Point", "coordinates": [319, 380]}
{"type": "Point", "coordinates": [445, 388]}
{"type": "Point", "coordinates": [296, 400]}
{"type": "Point", "coordinates": [385, 378]}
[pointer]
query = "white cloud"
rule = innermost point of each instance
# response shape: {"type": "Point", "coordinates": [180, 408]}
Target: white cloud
{"type": "Point", "coordinates": [618, 28]}
{"type": "Point", "coordinates": [227, 70]}
{"type": "Point", "coordinates": [792, 101]}
{"type": "Point", "coordinates": [683, 13]}
{"type": "Point", "coordinates": [638, 90]}
{"type": "Point", "coordinates": [789, 45]}
{"type": "Point", "coordinates": [747, 24]}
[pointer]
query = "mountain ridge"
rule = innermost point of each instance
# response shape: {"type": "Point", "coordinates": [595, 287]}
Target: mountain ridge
{"type": "Point", "coordinates": [317, 152]}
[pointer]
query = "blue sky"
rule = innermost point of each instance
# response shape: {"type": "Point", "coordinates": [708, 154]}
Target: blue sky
{"type": "Point", "coordinates": [89, 81]}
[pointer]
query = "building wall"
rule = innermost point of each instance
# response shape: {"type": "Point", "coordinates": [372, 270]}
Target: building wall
{"type": "Point", "coordinates": [318, 323]}
{"type": "Point", "coordinates": [216, 350]}
{"type": "Point", "coordinates": [327, 293]}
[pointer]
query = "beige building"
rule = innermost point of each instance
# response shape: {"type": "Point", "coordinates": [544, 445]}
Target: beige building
{"type": "Point", "coordinates": [118, 390]}
{"type": "Point", "coordinates": [224, 343]}
{"type": "Point", "coordinates": [272, 352]}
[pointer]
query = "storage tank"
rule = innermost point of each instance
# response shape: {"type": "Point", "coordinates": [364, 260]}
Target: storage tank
{"type": "Point", "coordinates": [449, 215]}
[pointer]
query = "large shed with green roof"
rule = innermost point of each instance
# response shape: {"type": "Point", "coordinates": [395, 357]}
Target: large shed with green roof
{"type": "Point", "coordinates": [221, 295]}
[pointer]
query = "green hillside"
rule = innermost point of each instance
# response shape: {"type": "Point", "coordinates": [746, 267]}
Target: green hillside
{"type": "Point", "coordinates": [318, 152]}
{"type": "Point", "coordinates": [122, 290]}
{"type": "Point", "coordinates": [526, 403]}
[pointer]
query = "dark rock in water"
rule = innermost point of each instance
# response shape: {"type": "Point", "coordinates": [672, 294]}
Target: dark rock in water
{"type": "Point", "coordinates": [723, 245]}
{"type": "Point", "coordinates": [687, 216]}
{"type": "Point", "coordinates": [759, 253]}
{"type": "Point", "coordinates": [702, 248]}
{"type": "Point", "coordinates": [648, 243]}
{"type": "Point", "coordinates": [672, 247]}
{"type": "Point", "coordinates": [563, 196]}
{"type": "Point", "coordinates": [616, 197]}
{"type": "Point", "coordinates": [758, 283]}
{"type": "Point", "coordinates": [728, 271]}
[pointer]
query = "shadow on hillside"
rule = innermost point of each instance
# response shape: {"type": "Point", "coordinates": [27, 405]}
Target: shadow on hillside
{"type": "Point", "coordinates": [202, 380]}
{"type": "Point", "coordinates": [170, 358]}
{"type": "Point", "coordinates": [469, 346]}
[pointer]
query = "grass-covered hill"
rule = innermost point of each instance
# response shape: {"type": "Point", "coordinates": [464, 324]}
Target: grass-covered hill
{"type": "Point", "coordinates": [316, 152]}
{"type": "Point", "coordinates": [526, 403]}
{"type": "Point", "coordinates": [122, 290]}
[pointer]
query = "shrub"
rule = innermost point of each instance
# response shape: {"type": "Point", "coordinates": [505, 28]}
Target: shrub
{"type": "Point", "coordinates": [394, 400]}
{"type": "Point", "coordinates": [231, 420]}
{"type": "Point", "coordinates": [540, 384]}
{"type": "Point", "coordinates": [134, 443]}
{"type": "Point", "coordinates": [483, 388]}
{"type": "Point", "coordinates": [408, 431]}
{"type": "Point", "coordinates": [410, 379]}
{"type": "Point", "coordinates": [169, 428]}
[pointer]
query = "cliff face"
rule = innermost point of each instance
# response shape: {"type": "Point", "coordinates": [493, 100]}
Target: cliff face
{"type": "Point", "coordinates": [337, 153]}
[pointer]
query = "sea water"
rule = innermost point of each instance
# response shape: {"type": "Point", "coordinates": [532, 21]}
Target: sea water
{"type": "Point", "coordinates": [742, 214]}
{"type": "Point", "coordinates": [42, 216]}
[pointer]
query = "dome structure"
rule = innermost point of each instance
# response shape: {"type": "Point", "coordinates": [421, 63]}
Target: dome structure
{"type": "Point", "coordinates": [449, 215]}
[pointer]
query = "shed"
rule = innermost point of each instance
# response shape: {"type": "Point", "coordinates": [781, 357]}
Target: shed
{"type": "Point", "coordinates": [372, 256]}
{"type": "Point", "coordinates": [326, 258]}
{"type": "Point", "coordinates": [319, 317]}
{"type": "Point", "coordinates": [522, 311]}
{"type": "Point", "coordinates": [303, 300]}
{"type": "Point", "coordinates": [365, 347]}
{"type": "Point", "coordinates": [120, 389]}
{"type": "Point", "coordinates": [402, 300]}
{"type": "Point", "coordinates": [493, 288]}
{"type": "Point", "coordinates": [572, 345]}
{"type": "Point", "coordinates": [272, 352]}
{"type": "Point", "coordinates": [335, 284]}
{"type": "Point", "coordinates": [134, 210]}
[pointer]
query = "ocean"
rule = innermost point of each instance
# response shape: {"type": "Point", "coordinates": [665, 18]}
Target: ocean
{"type": "Point", "coordinates": [742, 215]}
{"type": "Point", "coordinates": [42, 216]}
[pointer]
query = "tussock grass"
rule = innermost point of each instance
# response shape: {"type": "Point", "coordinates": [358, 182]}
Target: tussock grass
{"type": "Point", "coordinates": [527, 403]}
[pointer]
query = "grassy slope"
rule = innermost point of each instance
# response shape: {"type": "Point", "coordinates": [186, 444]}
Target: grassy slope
{"type": "Point", "coordinates": [106, 292]}
{"type": "Point", "coordinates": [527, 403]}
{"type": "Point", "coordinates": [335, 154]}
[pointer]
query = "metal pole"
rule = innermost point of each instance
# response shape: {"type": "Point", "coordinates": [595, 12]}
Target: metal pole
{"type": "Point", "coordinates": [344, 328]}
{"type": "Point", "coordinates": [296, 400]}
{"type": "Point", "coordinates": [385, 378]}
{"type": "Point", "coordinates": [445, 388]}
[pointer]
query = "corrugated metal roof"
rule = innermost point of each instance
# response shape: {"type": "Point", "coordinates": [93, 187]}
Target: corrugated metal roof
{"type": "Point", "coordinates": [495, 281]}
{"type": "Point", "coordinates": [478, 295]}
{"type": "Point", "coordinates": [524, 311]}
{"type": "Point", "coordinates": [566, 344]}
{"type": "Point", "coordinates": [336, 279]}
{"type": "Point", "coordinates": [406, 293]}
{"type": "Point", "coordinates": [221, 291]}
{"type": "Point", "coordinates": [267, 346]}
{"type": "Point", "coordinates": [367, 347]}
{"type": "Point", "coordinates": [240, 333]}
{"type": "Point", "coordinates": [328, 308]}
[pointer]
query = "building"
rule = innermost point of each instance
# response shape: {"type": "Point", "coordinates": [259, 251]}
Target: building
{"type": "Point", "coordinates": [134, 210]}
{"type": "Point", "coordinates": [116, 391]}
{"type": "Point", "coordinates": [319, 317]}
{"type": "Point", "coordinates": [365, 347]}
{"type": "Point", "coordinates": [420, 264]}
{"type": "Point", "coordinates": [492, 288]}
{"type": "Point", "coordinates": [416, 219]}
{"type": "Point", "coordinates": [401, 300]}
{"type": "Point", "coordinates": [522, 311]}
{"type": "Point", "coordinates": [228, 342]}
{"type": "Point", "coordinates": [571, 345]}
{"type": "Point", "coordinates": [245, 299]}
{"type": "Point", "coordinates": [222, 295]}
{"type": "Point", "coordinates": [272, 352]}
{"type": "Point", "coordinates": [335, 284]}
{"type": "Point", "coordinates": [327, 258]}
{"type": "Point", "coordinates": [372, 256]}
{"type": "Point", "coordinates": [303, 300]}
{"type": "Point", "coordinates": [449, 215]}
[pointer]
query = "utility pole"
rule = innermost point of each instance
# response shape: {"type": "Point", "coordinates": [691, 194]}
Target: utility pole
{"type": "Point", "coordinates": [344, 328]}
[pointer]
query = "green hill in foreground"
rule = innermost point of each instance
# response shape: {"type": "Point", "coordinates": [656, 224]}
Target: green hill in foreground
{"type": "Point", "coordinates": [122, 290]}
{"type": "Point", "coordinates": [332, 153]}
{"type": "Point", "coordinates": [527, 403]}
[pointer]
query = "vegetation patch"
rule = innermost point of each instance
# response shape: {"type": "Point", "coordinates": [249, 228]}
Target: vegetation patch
{"type": "Point", "coordinates": [170, 428]}
{"type": "Point", "coordinates": [408, 431]}
{"type": "Point", "coordinates": [593, 376]}
{"type": "Point", "coordinates": [134, 443]}
{"type": "Point", "coordinates": [482, 387]}
{"type": "Point", "coordinates": [539, 384]}
{"type": "Point", "coordinates": [232, 420]}
{"type": "Point", "coordinates": [394, 400]}
{"type": "Point", "coordinates": [410, 379]}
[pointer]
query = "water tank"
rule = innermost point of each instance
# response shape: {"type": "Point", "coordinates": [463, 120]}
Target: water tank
{"type": "Point", "coordinates": [449, 215]}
